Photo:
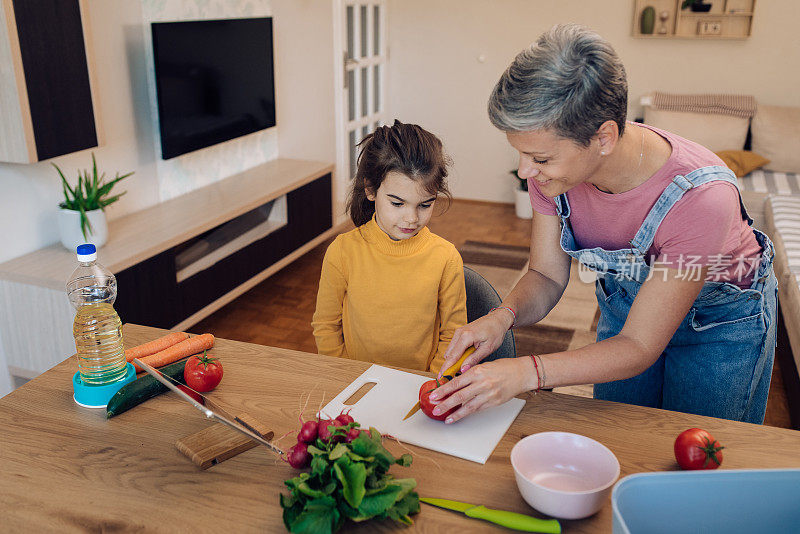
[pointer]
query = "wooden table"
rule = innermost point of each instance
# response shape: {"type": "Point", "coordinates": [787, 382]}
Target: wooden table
{"type": "Point", "coordinates": [67, 468]}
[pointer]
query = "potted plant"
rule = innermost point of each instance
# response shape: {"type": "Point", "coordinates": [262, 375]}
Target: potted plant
{"type": "Point", "coordinates": [82, 216]}
{"type": "Point", "coordinates": [522, 201]}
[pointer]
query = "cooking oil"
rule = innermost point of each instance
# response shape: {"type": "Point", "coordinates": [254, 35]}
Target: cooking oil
{"type": "Point", "coordinates": [98, 341]}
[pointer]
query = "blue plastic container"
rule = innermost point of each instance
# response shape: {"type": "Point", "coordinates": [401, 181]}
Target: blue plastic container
{"type": "Point", "coordinates": [94, 396]}
{"type": "Point", "coordinates": [729, 501]}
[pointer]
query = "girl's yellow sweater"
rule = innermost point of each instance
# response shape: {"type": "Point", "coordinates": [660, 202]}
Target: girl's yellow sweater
{"type": "Point", "coordinates": [390, 302]}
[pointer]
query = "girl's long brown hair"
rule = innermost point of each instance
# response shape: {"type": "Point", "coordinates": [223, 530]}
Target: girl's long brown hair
{"type": "Point", "coordinates": [404, 148]}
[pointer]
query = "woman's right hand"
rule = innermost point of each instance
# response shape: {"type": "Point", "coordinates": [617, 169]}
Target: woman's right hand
{"type": "Point", "coordinates": [485, 334]}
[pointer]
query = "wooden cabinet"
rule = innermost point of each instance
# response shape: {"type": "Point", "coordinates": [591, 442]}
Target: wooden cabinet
{"type": "Point", "coordinates": [45, 92]}
{"type": "Point", "coordinates": [727, 19]}
{"type": "Point", "coordinates": [151, 293]}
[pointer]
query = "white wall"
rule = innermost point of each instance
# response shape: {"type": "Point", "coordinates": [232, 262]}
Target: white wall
{"type": "Point", "coordinates": [304, 66]}
{"type": "Point", "coordinates": [437, 77]}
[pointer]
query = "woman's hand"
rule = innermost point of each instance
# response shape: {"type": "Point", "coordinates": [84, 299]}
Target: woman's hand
{"type": "Point", "coordinates": [485, 334]}
{"type": "Point", "coordinates": [484, 386]}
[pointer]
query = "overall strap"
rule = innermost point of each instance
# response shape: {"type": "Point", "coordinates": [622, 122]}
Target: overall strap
{"type": "Point", "coordinates": [562, 206]}
{"type": "Point", "coordinates": [680, 184]}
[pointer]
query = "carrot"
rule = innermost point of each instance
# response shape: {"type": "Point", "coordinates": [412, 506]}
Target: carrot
{"type": "Point", "coordinates": [157, 345]}
{"type": "Point", "coordinates": [187, 347]}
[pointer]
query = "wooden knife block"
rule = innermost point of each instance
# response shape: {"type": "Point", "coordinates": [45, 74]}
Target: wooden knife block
{"type": "Point", "coordinates": [219, 442]}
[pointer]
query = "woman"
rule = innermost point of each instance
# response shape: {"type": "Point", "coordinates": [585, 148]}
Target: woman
{"type": "Point", "coordinates": [685, 285]}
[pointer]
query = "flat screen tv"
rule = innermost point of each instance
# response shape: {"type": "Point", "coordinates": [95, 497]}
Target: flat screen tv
{"type": "Point", "coordinates": [214, 81]}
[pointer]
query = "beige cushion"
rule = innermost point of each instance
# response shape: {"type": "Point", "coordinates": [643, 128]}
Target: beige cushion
{"type": "Point", "coordinates": [776, 136]}
{"type": "Point", "coordinates": [715, 132]}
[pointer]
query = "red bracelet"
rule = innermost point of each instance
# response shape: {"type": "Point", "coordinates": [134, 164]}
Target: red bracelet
{"type": "Point", "coordinates": [514, 322]}
{"type": "Point", "coordinates": [538, 376]}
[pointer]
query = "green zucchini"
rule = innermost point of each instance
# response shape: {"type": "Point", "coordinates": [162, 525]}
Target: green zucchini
{"type": "Point", "coordinates": [143, 388]}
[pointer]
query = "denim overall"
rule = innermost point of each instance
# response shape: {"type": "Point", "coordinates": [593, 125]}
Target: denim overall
{"type": "Point", "coordinates": [719, 361]}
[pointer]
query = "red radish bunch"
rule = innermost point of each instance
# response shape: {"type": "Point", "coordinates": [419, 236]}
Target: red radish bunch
{"type": "Point", "coordinates": [342, 428]}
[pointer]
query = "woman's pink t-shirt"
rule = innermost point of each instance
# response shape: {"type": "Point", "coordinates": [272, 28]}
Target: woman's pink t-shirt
{"type": "Point", "coordinates": [704, 228]}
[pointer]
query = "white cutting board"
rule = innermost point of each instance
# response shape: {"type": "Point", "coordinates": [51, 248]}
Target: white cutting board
{"type": "Point", "coordinates": [395, 392]}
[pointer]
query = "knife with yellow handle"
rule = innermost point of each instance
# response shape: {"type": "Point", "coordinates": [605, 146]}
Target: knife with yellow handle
{"type": "Point", "coordinates": [512, 520]}
{"type": "Point", "coordinates": [451, 371]}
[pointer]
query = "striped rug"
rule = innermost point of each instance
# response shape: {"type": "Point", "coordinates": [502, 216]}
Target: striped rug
{"type": "Point", "coordinates": [571, 324]}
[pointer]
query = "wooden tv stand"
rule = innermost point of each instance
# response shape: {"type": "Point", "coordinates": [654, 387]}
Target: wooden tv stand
{"type": "Point", "coordinates": [175, 262]}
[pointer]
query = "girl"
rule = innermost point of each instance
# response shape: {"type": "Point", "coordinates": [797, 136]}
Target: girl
{"type": "Point", "coordinates": [392, 292]}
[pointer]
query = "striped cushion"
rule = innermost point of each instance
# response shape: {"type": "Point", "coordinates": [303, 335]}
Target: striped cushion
{"type": "Point", "coordinates": [771, 182]}
{"type": "Point", "coordinates": [786, 222]}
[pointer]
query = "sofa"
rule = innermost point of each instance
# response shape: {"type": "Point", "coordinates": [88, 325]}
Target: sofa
{"type": "Point", "coordinates": [764, 151]}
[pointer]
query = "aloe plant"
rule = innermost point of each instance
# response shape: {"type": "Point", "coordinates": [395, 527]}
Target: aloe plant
{"type": "Point", "coordinates": [91, 193]}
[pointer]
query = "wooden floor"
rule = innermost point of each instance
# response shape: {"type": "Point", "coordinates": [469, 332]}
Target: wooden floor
{"type": "Point", "coordinates": [278, 311]}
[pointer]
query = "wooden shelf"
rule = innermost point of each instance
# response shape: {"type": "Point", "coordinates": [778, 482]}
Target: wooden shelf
{"type": "Point", "coordinates": [146, 233]}
{"type": "Point", "coordinates": [719, 23]}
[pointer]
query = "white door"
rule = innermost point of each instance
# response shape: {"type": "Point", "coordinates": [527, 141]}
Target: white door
{"type": "Point", "coordinates": [361, 53]}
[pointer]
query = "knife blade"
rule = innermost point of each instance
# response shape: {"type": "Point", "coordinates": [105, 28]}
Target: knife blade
{"type": "Point", "coordinates": [512, 520]}
{"type": "Point", "coordinates": [451, 371]}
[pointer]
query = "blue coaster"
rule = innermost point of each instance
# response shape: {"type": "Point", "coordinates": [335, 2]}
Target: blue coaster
{"type": "Point", "coordinates": [92, 396]}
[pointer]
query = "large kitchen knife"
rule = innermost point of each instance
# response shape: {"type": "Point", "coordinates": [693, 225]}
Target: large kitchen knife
{"type": "Point", "coordinates": [512, 520]}
{"type": "Point", "coordinates": [451, 371]}
{"type": "Point", "coordinates": [208, 412]}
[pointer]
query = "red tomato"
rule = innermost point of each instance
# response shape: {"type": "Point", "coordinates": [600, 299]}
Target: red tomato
{"type": "Point", "coordinates": [193, 394]}
{"type": "Point", "coordinates": [697, 449]}
{"type": "Point", "coordinates": [425, 402]}
{"type": "Point", "coordinates": [202, 373]}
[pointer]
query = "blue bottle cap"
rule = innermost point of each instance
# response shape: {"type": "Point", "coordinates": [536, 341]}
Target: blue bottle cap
{"type": "Point", "coordinates": [87, 252]}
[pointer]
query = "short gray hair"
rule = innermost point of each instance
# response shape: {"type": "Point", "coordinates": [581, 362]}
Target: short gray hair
{"type": "Point", "coordinates": [570, 81]}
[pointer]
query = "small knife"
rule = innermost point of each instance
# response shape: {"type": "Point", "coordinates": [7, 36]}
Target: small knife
{"type": "Point", "coordinates": [451, 371]}
{"type": "Point", "coordinates": [512, 520]}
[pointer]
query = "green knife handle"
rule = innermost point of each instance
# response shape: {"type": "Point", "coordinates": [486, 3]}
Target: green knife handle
{"type": "Point", "coordinates": [514, 520]}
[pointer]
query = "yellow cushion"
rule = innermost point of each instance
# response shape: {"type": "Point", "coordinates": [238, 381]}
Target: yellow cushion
{"type": "Point", "coordinates": [742, 162]}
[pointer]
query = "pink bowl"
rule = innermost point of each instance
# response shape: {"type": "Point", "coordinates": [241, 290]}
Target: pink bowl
{"type": "Point", "coordinates": [564, 475]}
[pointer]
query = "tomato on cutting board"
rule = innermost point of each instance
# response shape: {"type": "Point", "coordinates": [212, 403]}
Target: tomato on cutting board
{"type": "Point", "coordinates": [697, 449]}
{"type": "Point", "coordinates": [202, 372]}
{"type": "Point", "coordinates": [425, 403]}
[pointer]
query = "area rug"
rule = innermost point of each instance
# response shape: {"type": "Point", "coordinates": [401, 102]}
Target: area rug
{"type": "Point", "coordinates": [571, 324]}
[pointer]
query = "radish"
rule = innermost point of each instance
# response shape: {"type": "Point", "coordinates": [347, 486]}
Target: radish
{"type": "Point", "coordinates": [344, 419]}
{"type": "Point", "coordinates": [298, 456]}
{"type": "Point", "coordinates": [322, 429]}
{"type": "Point", "coordinates": [308, 432]}
{"type": "Point", "coordinates": [335, 425]}
{"type": "Point", "coordinates": [353, 433]}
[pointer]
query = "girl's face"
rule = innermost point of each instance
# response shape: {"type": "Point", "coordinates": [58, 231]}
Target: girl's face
{"type": "Point", "coordinates": [402, 206]}
{"type": "Point", "coordinates": [557, 164]}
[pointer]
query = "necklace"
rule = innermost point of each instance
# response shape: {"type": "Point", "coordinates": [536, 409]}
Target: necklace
{"type": "Point", "coordinates": [641, 150]}
{"type": "Point", "coordinates": [641, 157]}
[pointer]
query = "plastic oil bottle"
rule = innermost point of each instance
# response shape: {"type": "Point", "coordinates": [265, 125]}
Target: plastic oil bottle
{"type": "Point", "coordinates": [102, 368]}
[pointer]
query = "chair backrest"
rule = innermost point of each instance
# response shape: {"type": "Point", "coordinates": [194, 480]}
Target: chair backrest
{"type": "Point", "coordinates": [481, 298]}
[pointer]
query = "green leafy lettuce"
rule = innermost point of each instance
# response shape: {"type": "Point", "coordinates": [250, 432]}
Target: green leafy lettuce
{"type": "Point", "coordinates": [348, 481]}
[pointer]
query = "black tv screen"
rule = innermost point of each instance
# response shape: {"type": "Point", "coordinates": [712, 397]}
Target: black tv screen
{"type": "Point", "coordinates": [214, 81]}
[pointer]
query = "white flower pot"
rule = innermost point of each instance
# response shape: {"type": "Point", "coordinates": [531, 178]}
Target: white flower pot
{"type": "Point", "coordinates": [522, 204]}
{"type": "Point", "coordinates": [69, 227]}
